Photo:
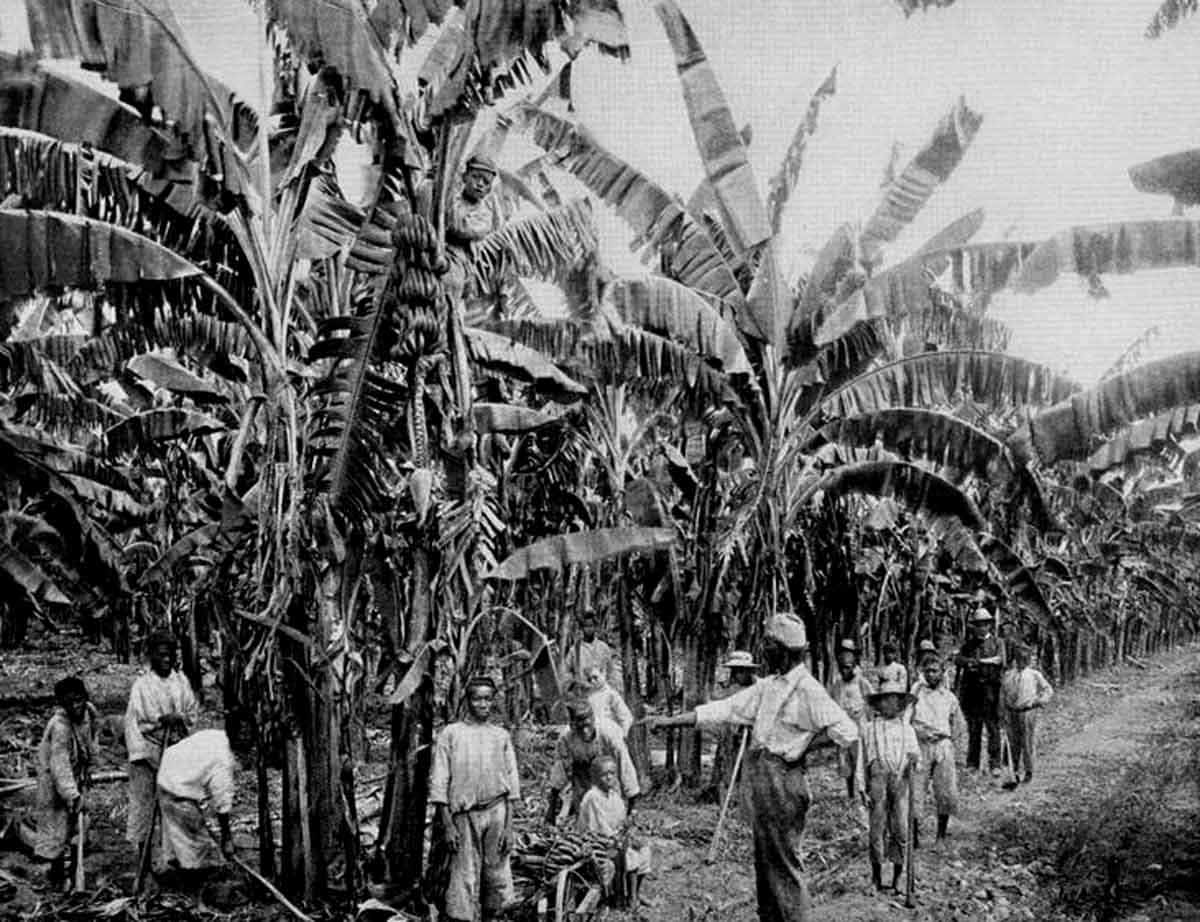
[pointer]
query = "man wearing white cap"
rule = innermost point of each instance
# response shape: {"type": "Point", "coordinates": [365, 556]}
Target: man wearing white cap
{"type": "Point", "coordinates": [786, 710]}
{"type": "Point", "coordinates": [980, 661]}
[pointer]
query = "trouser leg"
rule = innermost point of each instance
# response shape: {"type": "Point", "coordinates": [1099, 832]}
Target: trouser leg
{"type": "Point", "coordinates": [778, 797]}
{"type": "Point", "coordinates": [897, 817]}
{"type": "Point", "coordinates": [992, 722]}
{"type": "Point", "coordinates": [1029, 740]}
{"type": "Point", "coordinates": [462, 892]}
{"type": "Point", "coordinates": [496, 877]}
{"type": "Point", "coordinates": [974, 739]}
{"type": "Point", "coordinates": [877, 788]}
{"type": "Point", "coordinates": [1016, 742]}
{"type": "Point", "coordinates": [945, 779]}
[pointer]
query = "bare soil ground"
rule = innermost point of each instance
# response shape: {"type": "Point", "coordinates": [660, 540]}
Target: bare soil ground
{"type": "Point", "coordinates": [1109, 830]}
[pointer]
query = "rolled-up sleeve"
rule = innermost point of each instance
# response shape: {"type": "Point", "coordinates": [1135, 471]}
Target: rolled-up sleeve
{"type": "Point", "coordinates": [738, 709]}
{"type": "Point", "coordinates": [825, 714]}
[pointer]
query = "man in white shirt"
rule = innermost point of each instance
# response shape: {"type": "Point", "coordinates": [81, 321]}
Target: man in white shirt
{"type": "Point", "coordinates": [196, 773]}
{"type": "Point", "coordinates": [787, 711]}
{"type": "Point", "coordinates": [162, 709]}
{"type": "Point", "coordinates": [1024, 692]}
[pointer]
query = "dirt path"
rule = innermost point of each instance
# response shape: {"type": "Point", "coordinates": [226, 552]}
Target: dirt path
{"type": "Point", "coordinates": [1109, 829]}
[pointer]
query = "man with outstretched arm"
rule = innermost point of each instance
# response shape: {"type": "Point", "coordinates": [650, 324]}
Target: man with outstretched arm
{"type": "Point", "coordinates": [786, 711]}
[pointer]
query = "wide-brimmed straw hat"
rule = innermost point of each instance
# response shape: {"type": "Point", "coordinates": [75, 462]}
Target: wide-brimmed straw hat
{"type": "Point", "coordinates": [927, 646]}
{"type": "Point", "coordinates": [890, 687]}
{"type": "Point", "coordinates": [981, 615]}
{"type": "Point", "coordinates": [848, 645]}
{"type": "Point", "coordinates": [740, 659]}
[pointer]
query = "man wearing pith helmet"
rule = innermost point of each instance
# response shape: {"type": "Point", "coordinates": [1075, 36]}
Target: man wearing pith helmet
{"type": "Point", "coordinates": [787, 711]}
{"type": "Point", "coordinates": [980, 661]}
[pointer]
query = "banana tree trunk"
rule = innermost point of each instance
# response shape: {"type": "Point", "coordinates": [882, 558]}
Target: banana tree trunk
{"type": "Point", "coordinates": [312, 807]}
{"type": "Point", "coordinates": [406, 797]}
{"type": "Point", "coordinates": [693, 694]}
{"type": "Point", "coordinates": [639, 745]}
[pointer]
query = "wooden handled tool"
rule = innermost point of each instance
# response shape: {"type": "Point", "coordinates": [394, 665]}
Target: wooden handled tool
{"type": "Point", "coordinates": [733, 781]}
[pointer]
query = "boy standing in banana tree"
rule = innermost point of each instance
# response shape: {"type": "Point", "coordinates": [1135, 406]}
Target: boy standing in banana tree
{"type": "Point", "coordinates": [787, 711]}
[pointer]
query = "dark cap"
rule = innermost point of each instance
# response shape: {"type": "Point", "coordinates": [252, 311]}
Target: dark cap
{"type": "Point", "coordinates": [483, 163]}
{"type": "Point", "coordinates": [160, 639]}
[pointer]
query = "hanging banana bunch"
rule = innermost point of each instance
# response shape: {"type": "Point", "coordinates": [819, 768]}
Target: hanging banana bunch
{"type": "Point", "coordinates": [416, 304]}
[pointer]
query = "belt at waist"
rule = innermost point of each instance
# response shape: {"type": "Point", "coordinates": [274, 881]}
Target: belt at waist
{"type": "Point", "coordinates": [486, 805]}
{"type": "Point", "coordinates": [163, 792]}
{"type": "Point", "coordinates": [761, 752]}
{"type": "Point", "coordinates": [1022, 710]}
{"type": "Point", "coordinates": [932, 737]}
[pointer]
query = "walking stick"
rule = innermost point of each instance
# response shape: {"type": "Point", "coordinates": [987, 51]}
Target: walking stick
{"type": "Point", "coordinates": [910, 883]}
{"type": "Point", "coordinates": [144, 855]}
{"type": "Point", "coordinates": [737, 765]}
{"type": "Point", "coordinates": [1011, 782]}
{"type": "Point", "coordinates": [80, 831]}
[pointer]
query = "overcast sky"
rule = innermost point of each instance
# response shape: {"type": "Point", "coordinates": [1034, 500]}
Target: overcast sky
{"type": "Point", "coordinates": [1071, 94]}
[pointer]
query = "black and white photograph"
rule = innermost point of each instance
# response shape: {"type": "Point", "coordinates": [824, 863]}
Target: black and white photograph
{"type": "Point", "coordinates": [599, 461]}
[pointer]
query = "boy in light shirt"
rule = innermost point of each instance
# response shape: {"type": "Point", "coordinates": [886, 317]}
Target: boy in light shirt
{"type": "Point", "coordinates": [162, 709]}
{"type": "Point", "coordinates": [606, 701]}
{"type": "Point", "coordinates": [65, 757]}
{"type": "Point", "coordinates": [1023, 692]}
{"type": "Point", "coordinates": [602, 812]}
{"type": "Point", "coordinates": [473, 784]}
{"type": "Point", "coordinates": [891, 753]}
{"type": "Point", "coordinates": [892, 672]}
{"type": "Point", "coordinates": [936, 718]}
{"type": "Point", "coordinates": [850, 690]}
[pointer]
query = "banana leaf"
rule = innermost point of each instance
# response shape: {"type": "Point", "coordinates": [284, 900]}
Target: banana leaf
{"type": "Point", "coordinates": [498, 353]}
{"type": "Point", "coordinates": [912, 432]}
{"type": "Point", "coordinates": [1170, 14]}
{"type": "Point", "coordinates": [139, 45]}
{"type": "Point", "coordinates": [168, 374]}
{"type": "Point", "coordinates": [44, 249]}
{"type": "Point", "coordinates": [781, 185]}
{"type": "Point", "coordinates": [721, 149]}
{"type": "Point", "coordinates": [1176, 175]}
{"type": "Point", "coordinates": [929, 168]}
{"type": "Point", "coordinates": [940, 379]}
{"type": "Point", "coordinates": [136, 432]}
{"type": "Point", "coordinates": [660, 305]}
{"type": "Point", "coordinates": [921, 490]}
{"type": "Point", "coordinates": [1070, 428]}
{"type": "Point", "coordinates": [26, 574]}
{"type": "Point", "coordinates": [1121, 248]}
{"type": "Point", "coordinates": [658, 220]}
{"type": "Point", "coordinates": [1149, 435]}
{"type": "Point", "coordinates": [502, 417]}
{"type": "Point", "coordinates": [581, 547]}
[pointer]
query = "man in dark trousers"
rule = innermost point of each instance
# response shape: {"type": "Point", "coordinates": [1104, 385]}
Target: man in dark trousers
{"type": "Point", "coordinates": [981, 663]}
{"type": "Point", "coordinates": [786, 712]}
